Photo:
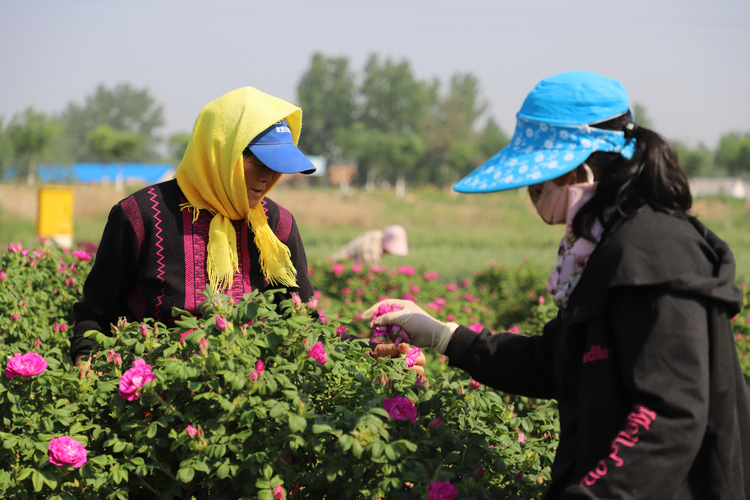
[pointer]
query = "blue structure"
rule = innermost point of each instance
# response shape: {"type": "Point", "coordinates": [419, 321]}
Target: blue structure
{"type": "Point", "coordinates": [148, 173]}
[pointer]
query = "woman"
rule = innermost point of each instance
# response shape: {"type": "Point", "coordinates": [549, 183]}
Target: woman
{"type": "Point", "coordinates": [641, 357]}
{"type": "Point", "coordinates": [210, 226]}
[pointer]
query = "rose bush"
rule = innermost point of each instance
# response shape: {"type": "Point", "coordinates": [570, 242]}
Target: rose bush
{"type": "Point", "coordinates": [232, 405]}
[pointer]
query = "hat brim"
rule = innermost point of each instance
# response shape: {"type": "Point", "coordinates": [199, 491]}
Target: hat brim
{"type": "Point", "coordinates": [514, 168]}
{"type": "Point", "coordinates": [283, 158]}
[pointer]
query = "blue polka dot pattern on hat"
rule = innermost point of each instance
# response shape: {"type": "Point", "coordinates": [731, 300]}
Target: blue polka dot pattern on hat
{"type": "Point", "coordinates": [542, 151]}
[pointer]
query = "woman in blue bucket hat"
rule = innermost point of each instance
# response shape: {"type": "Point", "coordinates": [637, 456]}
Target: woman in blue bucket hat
{"type": "Point", "coordinates": [641, 356]}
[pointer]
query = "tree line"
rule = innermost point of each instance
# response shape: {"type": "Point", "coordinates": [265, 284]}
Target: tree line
{"type": "Point", "coordinates": [393, 126]}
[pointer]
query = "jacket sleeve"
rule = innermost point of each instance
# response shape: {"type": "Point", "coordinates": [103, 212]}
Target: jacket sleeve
{"type": "Point", "coordinates": [662, 348]}
{"type": "Point", "coordinates": [505, 361]}
{"type": "Point", "coordinates": [109, 283]}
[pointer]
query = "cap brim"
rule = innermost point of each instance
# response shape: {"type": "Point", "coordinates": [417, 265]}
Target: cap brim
{"type": "Point", "coordinates": [514, 168]}
{"type": "Point", "coordinates": [283, 158]}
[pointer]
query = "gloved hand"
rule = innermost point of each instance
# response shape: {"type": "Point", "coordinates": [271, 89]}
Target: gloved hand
{"type": "Point", "coordinates": [424, 330]}
{"type": "Point", "coordinates": [393, 351]}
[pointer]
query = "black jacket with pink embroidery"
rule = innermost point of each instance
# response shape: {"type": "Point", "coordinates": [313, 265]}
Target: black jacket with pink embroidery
{"type": "Point", "coordinates": [643, 364]}
{"type": "Point", "coordinates": [152, 258]}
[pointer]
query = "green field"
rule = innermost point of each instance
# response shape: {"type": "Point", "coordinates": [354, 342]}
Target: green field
{"type": "Point", "coordinates": [452, 234]}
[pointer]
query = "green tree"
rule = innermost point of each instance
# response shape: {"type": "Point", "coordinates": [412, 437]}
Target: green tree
{"type": "Point", "coordinates": [115, 146]}
{"type": "Point", "coordinates": [326, 94]}
{"type": "Point", "coordinates": [696, 162]}
{"type": "Point", "coordinates": [30, 133]}
{"type": "Point", "coordinates": [6, 149]}
{"type": "Point", "coordinates": [177, 144]}
{"type": "Point", "coordinates": [122, 108]}
{"type": "Point", "coordinates": [733, 154]}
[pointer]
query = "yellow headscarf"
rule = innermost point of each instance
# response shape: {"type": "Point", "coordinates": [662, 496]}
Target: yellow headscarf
{"type": "Point", "coordinates": [212, 177]}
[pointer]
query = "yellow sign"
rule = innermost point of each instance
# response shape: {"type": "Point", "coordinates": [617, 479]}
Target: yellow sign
{"type": "Point", "coordinates": [55, 219]}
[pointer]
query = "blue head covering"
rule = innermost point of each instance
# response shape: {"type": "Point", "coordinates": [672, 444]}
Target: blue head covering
{"type": "Point", "coordinates": [553, 135]}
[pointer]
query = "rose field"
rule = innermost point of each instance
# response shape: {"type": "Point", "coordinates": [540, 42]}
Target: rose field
{"type": "Point", "coordinates": [251, 400]}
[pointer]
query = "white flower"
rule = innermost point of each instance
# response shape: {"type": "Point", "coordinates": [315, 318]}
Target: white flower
{"type": "Point", "coordinates": [490, 169]}
{"type": "Point", "coordinates": [517, 142]}
{"type": "Point", "coordinates": [529, 149]}
{"type": "Point", "coordinates": [543, 127]}
{"type": "Point", "coordinates": [523, 169]}
{"type": "Point", "coordinates": [563, 134]}
{"type": "Point", "coordinates": [529, 132]}
{"type": "Point", "coordinates": [548, 144]}
{"type": "Point", "coordinates": [513, 162]}
{"type": "Point", "coordinates": [552, 164]}
{"type": "Point", "coordinates": [585, 143]}
{"type": "Point", "coordinates": [539, 157]}
{"type": "Point", "coordinates": [569, 156]}
{"type": "Point", "coordinates": [497, 175]}
{"type": "Point", "coordinates": [535, 175]}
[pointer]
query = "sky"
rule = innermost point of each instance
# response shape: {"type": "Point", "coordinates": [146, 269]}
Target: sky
{"type": "Point", "coordinates": [686, 61]}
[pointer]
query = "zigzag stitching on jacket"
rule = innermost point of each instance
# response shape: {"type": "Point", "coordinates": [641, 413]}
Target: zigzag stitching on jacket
{"type": "Point", "coordinates": [160, 261]}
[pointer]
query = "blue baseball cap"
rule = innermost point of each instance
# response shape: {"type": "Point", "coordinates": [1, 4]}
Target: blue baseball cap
{"type": "Point", "coordinates": [553, 134]}
{"type": "Point", "coordinates": [275, 148]}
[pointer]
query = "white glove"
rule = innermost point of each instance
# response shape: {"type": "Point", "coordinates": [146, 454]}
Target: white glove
{"type": "Point", "coordinates": [423, 329]}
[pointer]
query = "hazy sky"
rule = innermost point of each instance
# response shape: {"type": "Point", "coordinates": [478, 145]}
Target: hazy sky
{"type": "Point", "coordinates": [686, 61]}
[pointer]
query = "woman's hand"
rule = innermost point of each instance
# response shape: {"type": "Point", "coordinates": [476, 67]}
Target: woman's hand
{"type": "Point", "coordinates": [393, 350]}
{"type": "Point", "coordinates": [423, 329]}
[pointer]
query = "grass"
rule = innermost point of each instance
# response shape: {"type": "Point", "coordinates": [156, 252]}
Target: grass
{"type": "Point", "coordinates": [454, 235]}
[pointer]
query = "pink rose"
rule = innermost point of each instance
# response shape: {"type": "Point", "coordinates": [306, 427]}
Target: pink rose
{"type": "Point", "coordinates": [15, 317]}
{"type": "Point", "coordinates": [12, 247]}
{"type": "Point", "coordinates": [203, 347]}
{"type": "Point", "coordinates": [134, 379]}
{"type": "Point", "coordinates": [80, 254]}
{"type": "Point", "coordinates": [514, 329]}
{"type": "Point", "coordinates": [435, 424]}
{"type": "Point", "coordinates": [338, 268]}
{"type": "Point", "coordinates": [408, 296]}
{"type": "Point", "coordinates": [476, 327]}
{"type": "Point", "coordinates": [451, 287]}
{"type": "Point", "coordinates": [414, 288]}
{"type": "Point", "coordinates": [313, 304]}
{"type": "Point", "coordinates": [3, 276]}
{"type": "Point", "coordinates": [480, 473]}
{"type": "Point", "coordinates": [191, 431]}
{"type": "Point", "coordinates": [340, 330]}
{"type": "Point", "coordinates": [474, 384]}
{"type": "Point", "coordinates": [521, 438]}
{"type": "Point", "coordinates": [114, 357]}
{"type": "Point", "coordinates": [465, 283]}
{"type": "Point", "coordinates": [356, 268]}
{"type": "Point", "coordinates": [318, 353]}
{"type": "Point", "coordinates": [407, 270]}
{"type": "Point", "coordinates": [541, 300]}
{"type": "Point", "coordinates": [400, 408]}
{"type": "Point", "coordinates": [279, 493]}
{"type": "Point", "coordinates": [25, 251]}
{"type": "Point", "coordinates": [37, 342]}
{"type": "Point", "coordinates": [441, 490]}
{"type": "Point", "coordinates": [65, 450]}
{"type": "Point", "coordinates": [451, 317]}
{"type": "Point", "coordinates": [221, 323]}
{"type": "Point", "coordinates": [430, 275]}
{"type": "Point", "coordinates": [63, 327]}
{"type": "Point", "coordinates": [144, 330]}
{"type": "Point", "coordinates": [296, 301]}
{"type": "Point", "coordinates": [411, 356]}
{"type": "Point", "coordinates": [26, 365]}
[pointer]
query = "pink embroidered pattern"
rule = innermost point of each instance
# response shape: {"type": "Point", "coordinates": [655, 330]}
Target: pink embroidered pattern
{"type": "Point", "coordinates": [187, 241]}
{"type": "Point", "coordinates": [133, 213]}
{"type": "Point", "coordinates": [596, 353]}
{"type": "Point", "coordinates": [160, 252]}
{"type": "Point", "coordinates": [641, 417]}
{"type": "Point", "coordinates": [284, 226]}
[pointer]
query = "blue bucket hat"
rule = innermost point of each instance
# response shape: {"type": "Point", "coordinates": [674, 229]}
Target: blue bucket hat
{"type": "Point", "coordinates": [275, 148]}
{"type": "Point", "coordinates": [553, 134]}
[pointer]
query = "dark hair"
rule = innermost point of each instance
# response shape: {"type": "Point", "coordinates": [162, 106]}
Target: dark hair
{"type": "Point", "coordinates": [652, 176]}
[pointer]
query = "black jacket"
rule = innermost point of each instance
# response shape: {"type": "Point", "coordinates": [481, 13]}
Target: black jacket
{"type": "Point", "coordinates": [643, 364]}
{"type": "Point", "coordinates": [152, 258]}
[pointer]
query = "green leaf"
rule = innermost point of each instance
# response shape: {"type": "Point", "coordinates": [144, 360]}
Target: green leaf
{"type": "Point", "coordinates": [377, 449]}
{"type": "Point", "coordinates": [24, 474]}
{"type": "Point", "coordinates": [37, 480]}
{"type": "Point", "coordinates": [49, 479]}
{"type": "Point", "coordinates": [185, 474]}
{"type": "Point", "coordinates": [321, 428]}
{"type": "Point", "coordinates": [297, 423]}
{"type": "Point", "coordinates": [119, 446]}
{"type": "Point", "coordinates": [345, 441]}
{"type": "Point", "coordinates": [357, 449]}
{"type": "Point", "coordinates": [151, 430]}
{"type": "Point", "coordinates": [527, 425]}
{"type": "Point", "coordinates": [223, 471]}
{"type": "Point", "coordinates": [391, 452]}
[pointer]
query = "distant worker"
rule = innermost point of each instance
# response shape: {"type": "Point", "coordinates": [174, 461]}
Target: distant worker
{"type": "Point", "coordinates": [370, 247]}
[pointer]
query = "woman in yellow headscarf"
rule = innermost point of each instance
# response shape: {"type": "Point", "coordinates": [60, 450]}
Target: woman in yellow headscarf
{"type": "Point", "coordinates": [210, 226]}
